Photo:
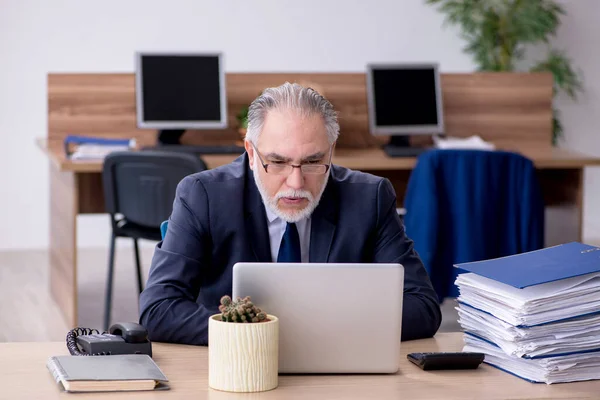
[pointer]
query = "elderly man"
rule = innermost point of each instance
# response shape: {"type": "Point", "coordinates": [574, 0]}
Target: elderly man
{"type": "Point", "coordinates": [281, 201]}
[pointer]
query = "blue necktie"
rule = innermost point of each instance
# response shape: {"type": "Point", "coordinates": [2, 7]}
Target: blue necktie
{"type": "Point", "coordinates": [289, 249]}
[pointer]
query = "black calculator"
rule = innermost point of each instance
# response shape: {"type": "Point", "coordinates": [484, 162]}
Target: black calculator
{"type": "Point", "coordinates": [446, 360]}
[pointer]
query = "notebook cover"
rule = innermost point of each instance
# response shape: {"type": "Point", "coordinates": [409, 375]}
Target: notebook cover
{"type": "Point", "coordinates": [539, 266]}
{"type": "Point", "coordinates": [106, 368]}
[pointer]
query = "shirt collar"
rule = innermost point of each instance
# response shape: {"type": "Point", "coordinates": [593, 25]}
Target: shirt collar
{"type": "Point", "coordinates": [270, 214]}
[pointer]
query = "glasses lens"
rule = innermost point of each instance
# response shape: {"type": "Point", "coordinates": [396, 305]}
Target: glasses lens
{"type": "Point", "coordinates": [279, 169]}
{"type": "Point", "coordinates": [286, 169]}
{"type": "Point", "coordinates": [314, 169]}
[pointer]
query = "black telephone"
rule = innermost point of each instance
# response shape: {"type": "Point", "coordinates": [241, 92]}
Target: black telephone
{"type": "Point", "coordinates": [121, 338]}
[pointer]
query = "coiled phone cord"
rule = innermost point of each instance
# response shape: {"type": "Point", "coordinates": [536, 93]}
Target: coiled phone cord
{"type": "Point", "coordinates": [72, 342]}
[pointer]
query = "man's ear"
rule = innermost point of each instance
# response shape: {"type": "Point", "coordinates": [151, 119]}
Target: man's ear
{"type": "Point", "coordinates": [250, 151]}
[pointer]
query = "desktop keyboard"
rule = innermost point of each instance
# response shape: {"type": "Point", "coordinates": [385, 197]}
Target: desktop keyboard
{"type": "Point", "coordinates": [399, 151]}
{"type": "Point", "coordinates": [179, 148]}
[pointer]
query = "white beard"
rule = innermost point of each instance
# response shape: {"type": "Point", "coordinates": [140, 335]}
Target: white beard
{"type": "Point", "coordinates": [291, 216]}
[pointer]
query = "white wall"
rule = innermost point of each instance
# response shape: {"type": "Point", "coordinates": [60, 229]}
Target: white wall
{"type": "Point", "coordinates": [579, 35]}
{"type": "Point", "coordinates": [37, 37]}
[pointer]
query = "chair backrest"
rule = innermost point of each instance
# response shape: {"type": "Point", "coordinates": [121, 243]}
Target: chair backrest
{"type": "Point", "coordinates": [141, 185]}
{"type": "Point", "coordinates": [163, 229]}
{"type": "Point", "coordinates": [470, 205]}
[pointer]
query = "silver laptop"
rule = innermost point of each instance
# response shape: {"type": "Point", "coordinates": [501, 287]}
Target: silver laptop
{"type": "Point", "coordinates": [333, 318]}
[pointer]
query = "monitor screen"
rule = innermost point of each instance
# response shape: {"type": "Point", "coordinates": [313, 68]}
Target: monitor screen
{"type": "Point", "coordinates": [180, 91]}
{"type": "Point", "coordinates": [404, 99]}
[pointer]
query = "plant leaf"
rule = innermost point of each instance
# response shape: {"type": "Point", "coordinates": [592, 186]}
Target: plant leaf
{"type": "Point", "coordinates": [565, 77]}
{"type": "Point", "coordinates": [557, 127]}
{"type": "Point", "coordinates": [532, 21]}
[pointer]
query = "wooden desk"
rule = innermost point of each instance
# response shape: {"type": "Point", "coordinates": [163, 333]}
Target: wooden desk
{"type": "Point", "coordinates": [76, 188]}
{"type": "Point", "coordinates": [24, 375]}
{"type": "Point", "coordinates": [373, 159]}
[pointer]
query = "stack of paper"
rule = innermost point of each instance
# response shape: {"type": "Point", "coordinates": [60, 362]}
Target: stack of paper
{"type": "Point", "coordinates": [95, 151]}
{"type": "Point", "coordinates": [94, 148]}
{"type": "Point", "coordinates": [535, 315]}
{"type": "Point", "coordinates": [472, 142]}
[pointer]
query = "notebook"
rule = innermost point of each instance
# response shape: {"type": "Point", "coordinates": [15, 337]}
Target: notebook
{"type": "Point", "coordinates": [123, 372]}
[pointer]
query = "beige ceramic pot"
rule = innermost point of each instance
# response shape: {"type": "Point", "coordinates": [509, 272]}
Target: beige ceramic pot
{"type": "Point", "coordinates": [243, 357]}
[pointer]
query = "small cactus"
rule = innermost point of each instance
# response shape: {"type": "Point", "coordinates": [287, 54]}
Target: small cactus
{"type": "Point", "coordinates": [240, 310]}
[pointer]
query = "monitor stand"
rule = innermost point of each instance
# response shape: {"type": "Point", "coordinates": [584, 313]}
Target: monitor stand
{"type": "Point", "coordinates": [170, 136]}
{"type": "Point", "coordinates": [399, 146]}
{"type": "Point", "coordinates": [170, 140]}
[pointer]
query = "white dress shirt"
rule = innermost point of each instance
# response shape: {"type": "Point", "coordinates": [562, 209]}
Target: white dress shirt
{"type": "Point", "coordinates": [277, 229]}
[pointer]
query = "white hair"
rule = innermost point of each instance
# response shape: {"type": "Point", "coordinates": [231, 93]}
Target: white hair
{"type": "Point", "coordinates": [291, 96]}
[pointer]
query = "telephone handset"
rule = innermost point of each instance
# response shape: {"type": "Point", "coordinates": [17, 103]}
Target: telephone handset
{"type": "Point", "coordinates": [121, 338]}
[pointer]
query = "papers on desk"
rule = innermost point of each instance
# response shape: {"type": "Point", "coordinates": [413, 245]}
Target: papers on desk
{"type": "Point", "coordinates": [95, 152]}
{"type": "Point", "coordinates": [580, 334]}
{"type": "Point", "coordinates": [94, 148]}
{"type": "Point", "coordinates": [568, 368]}
{"type": "Point", "coordinates": [545, 332]}
{"type": "Point", "coordinates": [533, 305]}
{"type": "Point", "coordinates": [471, 142]}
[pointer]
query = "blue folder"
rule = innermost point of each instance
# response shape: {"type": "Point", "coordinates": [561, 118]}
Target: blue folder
{"type": "Point", "coordinates": [79, 140]}
{"type": "Point", "coordinates": [539, 266]}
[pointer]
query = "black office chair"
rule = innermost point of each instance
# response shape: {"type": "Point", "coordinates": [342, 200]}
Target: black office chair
{"type": "Point", "coordinates": [139, 189]}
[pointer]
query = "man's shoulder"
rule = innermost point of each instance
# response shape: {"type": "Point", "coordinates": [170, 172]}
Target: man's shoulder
{"type": "Point", "coordinates": [349, 177]}
{"type": "Point", "coordinates": [361, 185]}
{"type": "Point", "coordinates": [234, 171]}
{"type": "Point", "coordinates": [218, 181]}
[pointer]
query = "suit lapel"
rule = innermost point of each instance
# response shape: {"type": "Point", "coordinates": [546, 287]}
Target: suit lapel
{"type": "Point", "coordinates": [257, 230]}
{"type": "Point", "coordinates": [323, 225]}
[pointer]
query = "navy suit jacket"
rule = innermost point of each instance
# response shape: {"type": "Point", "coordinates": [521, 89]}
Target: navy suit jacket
{"type": "Point", "coordinates": [219, 219]}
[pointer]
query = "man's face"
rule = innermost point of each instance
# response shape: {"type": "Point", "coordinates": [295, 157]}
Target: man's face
{"type": "Point", "coordinates": [289, 138]}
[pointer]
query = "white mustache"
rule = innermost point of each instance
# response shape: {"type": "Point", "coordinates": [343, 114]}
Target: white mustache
{"type": "Point", "coordinates": [299, 194]}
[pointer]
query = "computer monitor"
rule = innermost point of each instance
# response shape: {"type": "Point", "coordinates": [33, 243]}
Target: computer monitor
{"type": "Point", "coordinates": [180, 91]}
{"type": "Point", "coordinates": [404, 100]}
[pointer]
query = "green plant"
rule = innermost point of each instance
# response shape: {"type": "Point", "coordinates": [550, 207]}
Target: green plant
{"type": "Point", "coordinates": [498, 32]}
{"type": "Point", "coordinates": [240, 310]}
{"type": "Point", "coordinates": [242, 118]}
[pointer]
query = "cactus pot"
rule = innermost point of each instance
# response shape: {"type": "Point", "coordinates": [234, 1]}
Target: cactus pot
{"type": "Point", "coordinates": [243, 357]}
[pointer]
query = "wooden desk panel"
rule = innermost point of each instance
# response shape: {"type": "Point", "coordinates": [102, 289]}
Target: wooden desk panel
{"type": "Point", "coordinates": [90, 193]}
{"type": "Point", "coordinates": [370, 159]}
{"type": "Point", "coordinates": [25, 377]}
{"type": "Point", "coordinates": [64, 207]}
{"type": "Point", "coordinates": [560, 171]}
{"type": "Point", "coordinates": [502, 107]}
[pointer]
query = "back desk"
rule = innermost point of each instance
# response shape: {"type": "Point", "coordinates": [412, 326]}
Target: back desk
{"type": "Point", "coordinates": [25, 377]}
{"type": "Point", "coordinates": [511, 110]}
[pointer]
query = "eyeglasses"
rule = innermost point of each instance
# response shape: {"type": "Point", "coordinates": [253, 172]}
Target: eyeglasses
{"type": "Point", "coordinates": [286, 169]}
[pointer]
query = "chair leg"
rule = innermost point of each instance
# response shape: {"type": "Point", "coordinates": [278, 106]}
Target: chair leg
{"type": "Point", "coordinates": [109, 282]}
{"type": "Point", "coordinates": [138, 265]}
